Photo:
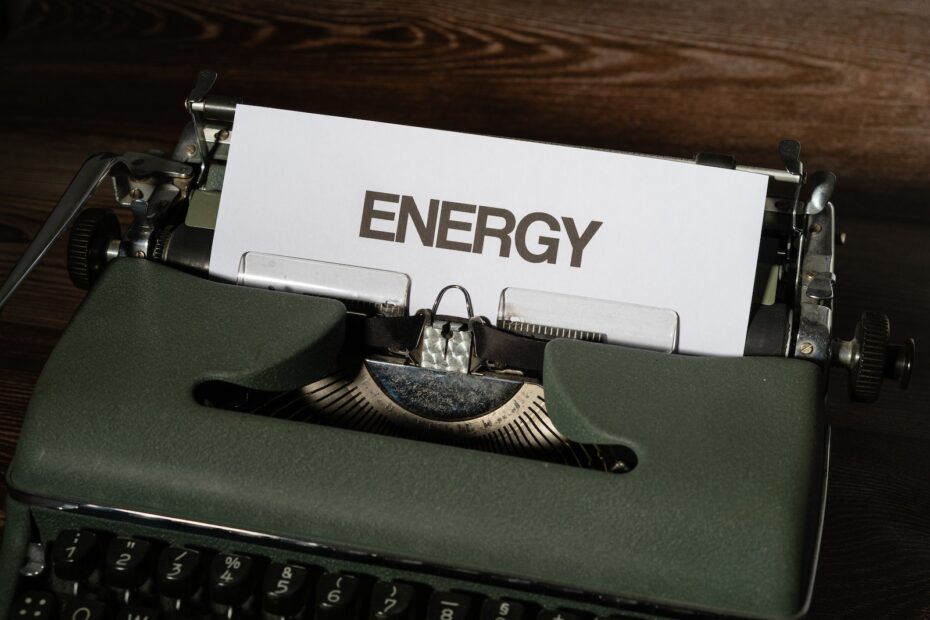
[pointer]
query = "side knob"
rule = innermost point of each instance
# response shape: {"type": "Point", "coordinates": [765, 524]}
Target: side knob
{"type": "Point", "coordinates": [871, 338]}
{"type": "Point", "coordinates": [90, 237]}
{"type": "Point", "coordinates": [870, 358]}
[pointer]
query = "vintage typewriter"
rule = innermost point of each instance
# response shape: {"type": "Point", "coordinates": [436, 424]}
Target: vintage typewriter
{"type": "Point", "coordinates": [200, 449]}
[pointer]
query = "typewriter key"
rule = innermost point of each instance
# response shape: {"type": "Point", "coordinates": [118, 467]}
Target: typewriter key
{"type": "Point", "coordinates": [392, 601]}
{"type": "Point", "coordinates": [495, 609]}
{"type": "Point", "coordinates": [337, 597]}
{"type": "Point", "coordinates": [34, 606]}
{"type": "Point", "coordinates": [178, 572]}
{"type": "Point", "coordinates": [231, 579]}
{"type": "Point", "coordinates": [83, 609]}
{"type": "Point", "coordinates": [137, 613]}
{"type": "Point", "coordinates": [74, 555]}
{"type": "Point", "coordinates": [553, 614]}
{"type": "Point", "coordinates": [449, 606]}
{"type": "Point", "coordinates": [127, 562]}
{"type": "Point", "coordinates": [285, 590]}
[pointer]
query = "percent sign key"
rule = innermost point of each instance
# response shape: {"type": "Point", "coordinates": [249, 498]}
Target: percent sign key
{"type": "Point", "coordinates": [231, 578]}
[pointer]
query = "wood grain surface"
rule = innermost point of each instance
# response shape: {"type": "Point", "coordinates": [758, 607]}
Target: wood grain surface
{"type": "Point", "coordinates": [851, 80]}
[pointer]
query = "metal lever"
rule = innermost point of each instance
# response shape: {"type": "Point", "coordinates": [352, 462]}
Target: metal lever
{"type": "Point", "coordinates": [195, 104]}
{"type": "Point", "coordinates": [201, 106]}
{"type": "Point", "coordinates": [81, 188]}
{"type": "Point", "coordinates": [823, 184]}
{"type": "Point", "coordinates": [790, 153]}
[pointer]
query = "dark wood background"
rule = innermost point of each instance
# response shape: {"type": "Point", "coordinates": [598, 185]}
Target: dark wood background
{"type": "Point", "coordinates": [851, 80]}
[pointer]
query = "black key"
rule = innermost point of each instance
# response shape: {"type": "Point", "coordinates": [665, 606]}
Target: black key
{"type": "Point", "coordinates": [337, 597]}
{"type": "Point", "coordinates": [496, 609]}
{"type": "Point", "coordinates": [80, 609]}
{"type": "Point", "coordinates": [178, 572]}
{"type": "Point", "coordinates": [285, 590]}
{"type": "Point", "coordinates": [35, 605]}
{"type": "Point", "coordinates": [127, 564]}
{"type": "Point", "coordinates": [74, 555]}
{"type": "Point", "coordinates": [133, 612]}
{"type": "Point", "coordinates": [393, 601]}
{"type": "Point", "coordinates": [231, 579]}
{"type": "Point", "coordinates": [449, 606]}
{"type": "Point", "coordinates": [552, 614]}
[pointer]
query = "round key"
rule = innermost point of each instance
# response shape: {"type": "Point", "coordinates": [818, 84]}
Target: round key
{"type": "Point", "coordinates": [392, 601]}
{"type": "Point", "coordinates": [230, 579]}
{"type": "Point", "coordinates": [82, 609]}
{"type": "Point", "coordinates": [285, 591]}
{"type": "Point", "coordinates": [35, 605]}
{"type": "Point", "coordinates": [74, 554]}
{"type": "Point", "coordinates": [178, 571]}
{"type": "Point", "coordinates": [337, 597]}
{"type": "Point", "coordinates": [134, 612]}
{"type": "Point", "coordinates": [449, 606]}
{"type": "Point", "coordinates": [127, 563]}
{"type": "Point", "coordinates": [496, 609]}
{"type": "Point", "coordinates": [553, 614]}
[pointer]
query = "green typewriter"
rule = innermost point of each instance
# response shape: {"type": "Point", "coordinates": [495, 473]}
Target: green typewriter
{"type": "Point", "coordinates": [204, 449]}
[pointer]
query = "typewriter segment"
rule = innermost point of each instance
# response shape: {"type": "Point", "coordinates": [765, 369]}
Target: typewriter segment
{"type": "Point", "coordinates": [104, 570]}
{"type": "Point", "coordinates": [170, 524]}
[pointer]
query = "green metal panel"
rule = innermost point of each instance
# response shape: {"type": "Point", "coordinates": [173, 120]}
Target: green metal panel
{"type": "Point", "coordinates": [720, 513]}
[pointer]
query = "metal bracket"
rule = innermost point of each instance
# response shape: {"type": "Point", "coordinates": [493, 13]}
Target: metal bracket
{"type": "Point", "coordinates": [815, 290]}
{"type": "Point", "coordinates": [81, 188]}
{"type": "Point", "coordinates": [448, 345]}
{"type": "Point", "coordinates": [195, 106]}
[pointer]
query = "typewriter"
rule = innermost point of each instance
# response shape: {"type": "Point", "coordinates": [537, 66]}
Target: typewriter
{"type": "Point", "coordinates": [201, 449]}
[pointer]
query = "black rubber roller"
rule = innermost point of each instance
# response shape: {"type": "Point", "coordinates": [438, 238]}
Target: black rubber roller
{"type": "Point", "coordinates": [91, 234]}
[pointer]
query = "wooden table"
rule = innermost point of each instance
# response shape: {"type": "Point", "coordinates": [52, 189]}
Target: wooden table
{"type": "Point", "coordinates": [850, 80]}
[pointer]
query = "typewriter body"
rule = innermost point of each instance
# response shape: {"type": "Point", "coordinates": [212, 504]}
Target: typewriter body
{"type": "Point", "coordinates": [204, 449]}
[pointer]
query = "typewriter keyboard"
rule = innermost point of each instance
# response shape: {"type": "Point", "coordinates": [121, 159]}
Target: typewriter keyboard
{"type": "Point", "coordinates": [92, 573]}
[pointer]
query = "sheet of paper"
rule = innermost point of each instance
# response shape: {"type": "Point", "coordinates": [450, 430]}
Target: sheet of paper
{"type": "Point", "coordinates": [490, 213]}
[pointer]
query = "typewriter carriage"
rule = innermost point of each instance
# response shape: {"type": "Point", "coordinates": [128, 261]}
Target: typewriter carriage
{"type": "Point", "coordinates": [174, 203]}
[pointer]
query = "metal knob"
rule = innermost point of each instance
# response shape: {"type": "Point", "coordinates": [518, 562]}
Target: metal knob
{"type": "Point", "coordinates": [870, 358]}
{"type": "Point", "coordinates": [88, 243]}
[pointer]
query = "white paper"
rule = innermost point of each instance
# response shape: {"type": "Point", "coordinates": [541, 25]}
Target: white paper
{"type": "Point", "coordinates": [673, 235]}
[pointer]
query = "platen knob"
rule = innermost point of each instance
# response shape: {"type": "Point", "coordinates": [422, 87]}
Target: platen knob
{"type": "Point", "coordinates": [90, 237]}
{"type": "Point", "coordinates": [870, 347]}
{"type": "Point", "coordinates": [871, 359]}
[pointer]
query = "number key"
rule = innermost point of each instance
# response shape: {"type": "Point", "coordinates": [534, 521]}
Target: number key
{"type": "Point", "coordinates": [392, 601]}
{"type": "Point", "coordinates": [74, 554]}
{"type": "Point", "coordinates": [449, 606]}
{"type": "Point", "coordinates": [231, 578]}
{"type": "Point", "coordinates": [337, 597]}
{"type": "Point", "coordinates": [178, 572]}
{"type": "Point", "coordinates": [285, 590]}
{"type": "Point", "coordinates": [127, 562]}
